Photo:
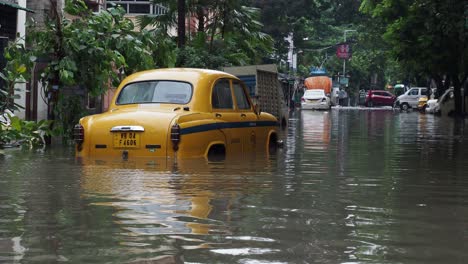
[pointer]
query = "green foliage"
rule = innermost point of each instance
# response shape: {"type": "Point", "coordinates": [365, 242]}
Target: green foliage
{"type": "Point", "coordinates": [94, 50]}
{"type": "Point", "coordinates": [17, 70]}
{"type": "Point", "coordinates": [231, 35]}
{"type": "Point", "coordinates": [67, 113]}
{"type": "Point", "coordinates": [26, 133]}
{"type": "Point", "coordinates": [426, 37]}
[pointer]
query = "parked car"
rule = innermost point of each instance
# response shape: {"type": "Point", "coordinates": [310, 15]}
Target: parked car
{"type": "Point", "coordinates": [425, 99]}
{"type": "Point", "coordinates": [178, 113]}
{"type": "Point", "coordinates": [446, 102]}
{"type": "Point", "coordinates": [315, 99]}
{"type": "Point", "coordinates": [410, 98]}
{"type": "Point", "coordinates": [432, 107]}
{"type": "Point", "coordinates": [399, 89]}
{"type": "Point", "coordinates": [444, 105]}
{"type": "Point", "coordinates": [422, 104]}
{"type": "Point", "coordinates": [379, 97]}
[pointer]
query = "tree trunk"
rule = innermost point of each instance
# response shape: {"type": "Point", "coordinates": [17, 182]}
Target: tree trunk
{"type": "Point", "coordinates": [201, 19]}
{"type": "Point", "coordinates": [215, 25]}
{"type": "Point", "coordinates": [225, 20]}
{"type": "Point", "coordinates": [180, 23]}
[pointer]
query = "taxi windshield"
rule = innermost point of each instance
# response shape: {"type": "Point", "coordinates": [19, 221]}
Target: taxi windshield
{"type": "Point", "coordinates": [170, 92]}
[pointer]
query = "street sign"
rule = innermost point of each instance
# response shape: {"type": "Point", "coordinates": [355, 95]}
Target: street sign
{"type": "Point", "coordinates": [343, 51]}
{"type": "Point", "coordinates": [315, 71]}
{"type": "Point", "coordinates": [344, 80]}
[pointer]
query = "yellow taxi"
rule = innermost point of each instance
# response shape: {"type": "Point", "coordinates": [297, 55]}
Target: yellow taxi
{"type": "Point", "coordinates": [177, 113]}
{"type": "Point", "coordinates": [422, 103]}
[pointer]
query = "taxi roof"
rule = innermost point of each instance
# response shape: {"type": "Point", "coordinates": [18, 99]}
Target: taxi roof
{"type": "Point", "coordinates": [191, 75]}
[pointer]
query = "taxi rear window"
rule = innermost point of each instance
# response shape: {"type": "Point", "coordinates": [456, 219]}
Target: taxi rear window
{"type": "Point", "coordinates": [170, 92]}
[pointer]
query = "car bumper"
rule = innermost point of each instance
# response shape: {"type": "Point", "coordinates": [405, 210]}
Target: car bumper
{"type": "Point", "coordinates": [321, 106]}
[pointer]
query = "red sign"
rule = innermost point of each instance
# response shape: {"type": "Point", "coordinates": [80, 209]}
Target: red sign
{"type": "Point", "coordinates": [343, 51]}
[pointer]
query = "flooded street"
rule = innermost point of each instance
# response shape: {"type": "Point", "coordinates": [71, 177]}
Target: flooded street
{"type": "Point", "coordinates": [349, 186]}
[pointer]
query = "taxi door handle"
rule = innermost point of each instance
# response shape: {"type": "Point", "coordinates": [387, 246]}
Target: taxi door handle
{"type": "Point", "coordinates": [218, 115]}
{"type": "Point", "coordinates": [243, 115]}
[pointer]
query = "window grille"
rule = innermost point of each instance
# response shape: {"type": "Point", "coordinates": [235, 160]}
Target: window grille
{"type": "Point", "coordinates": [138, 7]}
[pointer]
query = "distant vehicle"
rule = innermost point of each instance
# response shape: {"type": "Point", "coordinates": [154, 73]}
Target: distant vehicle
{"type": "Point", "coordinates": [315, 100]}
{"type": "Point", "coordinates": [319, 83]}
{"type": "Point", "coordinates": [379, 97]}
{"type": "Point", "coordinates": [264, 88]}
{"type": "Point", "coordinates": [410, 98]}
{"type": "Point", "coordinates": [399, 89]}
{"type": "Point", "coordinates": [178, 113]}
{"type": "Point", "coordinates": [424, 100]}
{"type": "Point", "coordinates": [322, 83]}
{"type": "Point", "coordinates": [422, 104]}
{"type": "Point", "coordinates": [444, 105]}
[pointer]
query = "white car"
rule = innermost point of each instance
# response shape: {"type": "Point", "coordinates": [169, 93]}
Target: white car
{"type": "Point", "coordinates": [444, 105]}
{"type": "Point", "coordinates": [432, 106]}
{"type": "Point", "coordinates": [315, 99]}
{"type": "Point", "coordinates": [410, 98]}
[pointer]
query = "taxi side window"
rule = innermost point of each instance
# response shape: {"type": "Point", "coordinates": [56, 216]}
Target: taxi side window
{"type": "Point", "coordinates": [241, 97]}
{"type": "Point", "coordinates": [221, 98]}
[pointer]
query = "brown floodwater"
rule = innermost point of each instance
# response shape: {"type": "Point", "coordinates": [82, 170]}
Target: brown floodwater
{"type": "Point", "coordinates": [349, 186]}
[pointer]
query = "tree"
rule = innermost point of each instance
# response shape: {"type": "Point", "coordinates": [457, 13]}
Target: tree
{"type": "Point", "coordinates": [180, 23]}
{"type": "Point", "coordinates": [228, 33]}
{"type": "Point", "coordinates": [427, 37]}
{"type": "Point", "coordinates": [92, 54]}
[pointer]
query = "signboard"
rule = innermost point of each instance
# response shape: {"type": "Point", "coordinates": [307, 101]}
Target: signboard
{"type": "Point", "coordinates": [344, 80]}
{"type": "Point", "coordinates": [315, 71]}
{"type": "Point", "coordinates": [343, 51]}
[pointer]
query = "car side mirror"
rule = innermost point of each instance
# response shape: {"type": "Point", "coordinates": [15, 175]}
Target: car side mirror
{"type": "Point", "coordinates": [257, 109]}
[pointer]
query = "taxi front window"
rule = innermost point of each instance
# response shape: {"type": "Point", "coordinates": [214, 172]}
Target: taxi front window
{"type": "Point", "coordinates": [170, 92]}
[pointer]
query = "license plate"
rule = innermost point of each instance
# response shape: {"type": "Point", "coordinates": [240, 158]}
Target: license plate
{"type": "Point", "coordinates": [126, 140]}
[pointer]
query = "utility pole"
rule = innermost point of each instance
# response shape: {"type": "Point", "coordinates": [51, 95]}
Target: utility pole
{"type": "Point", "coordinates": [344, 60]}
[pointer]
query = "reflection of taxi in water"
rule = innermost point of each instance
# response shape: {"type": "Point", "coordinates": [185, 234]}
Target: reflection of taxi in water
{"type": "Point", "coordinates": [177, 113]}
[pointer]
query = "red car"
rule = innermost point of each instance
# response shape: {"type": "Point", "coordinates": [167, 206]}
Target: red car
{"type": "Point", "coordinates": [379, 97]}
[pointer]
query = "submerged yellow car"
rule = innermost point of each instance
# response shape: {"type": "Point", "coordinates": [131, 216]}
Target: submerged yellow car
{"type": "Point", "coordinates": [177, 113]}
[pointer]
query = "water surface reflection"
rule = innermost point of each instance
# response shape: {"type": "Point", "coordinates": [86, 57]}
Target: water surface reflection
{"type": "Point", "coordinates": [350, 186]}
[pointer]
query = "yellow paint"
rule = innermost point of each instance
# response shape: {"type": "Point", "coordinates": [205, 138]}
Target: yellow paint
{"type": "Point", "coordinates": [158, 118]}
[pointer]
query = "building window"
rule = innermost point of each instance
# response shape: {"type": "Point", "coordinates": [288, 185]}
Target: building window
{"type": "Point", "coordinates": [138, 7]}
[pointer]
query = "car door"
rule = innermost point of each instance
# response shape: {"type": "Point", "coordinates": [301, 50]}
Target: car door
{"type": "Point", "coordinates": [377, 98]}
{"type": "Point", "coordinates": [227, 116]}
{"type": "Point", "coordinates": [247, 117]}
{"type": "Point", "coordinates": [413, 97]}
{"type": "Point", "coordinates": [388, 98]}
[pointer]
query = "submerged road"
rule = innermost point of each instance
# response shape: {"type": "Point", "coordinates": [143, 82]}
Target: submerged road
{"type": "Point", "coordinates": [351, 185]}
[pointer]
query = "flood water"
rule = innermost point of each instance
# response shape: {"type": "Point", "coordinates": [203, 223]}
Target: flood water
{"type": "Point", "coordinates": [349, 186]}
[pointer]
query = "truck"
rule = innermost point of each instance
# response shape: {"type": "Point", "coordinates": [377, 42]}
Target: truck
{"type": "Point", "coordinates": [264, 88]}
{"type": "Point", "coordinates": [324, 83]}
